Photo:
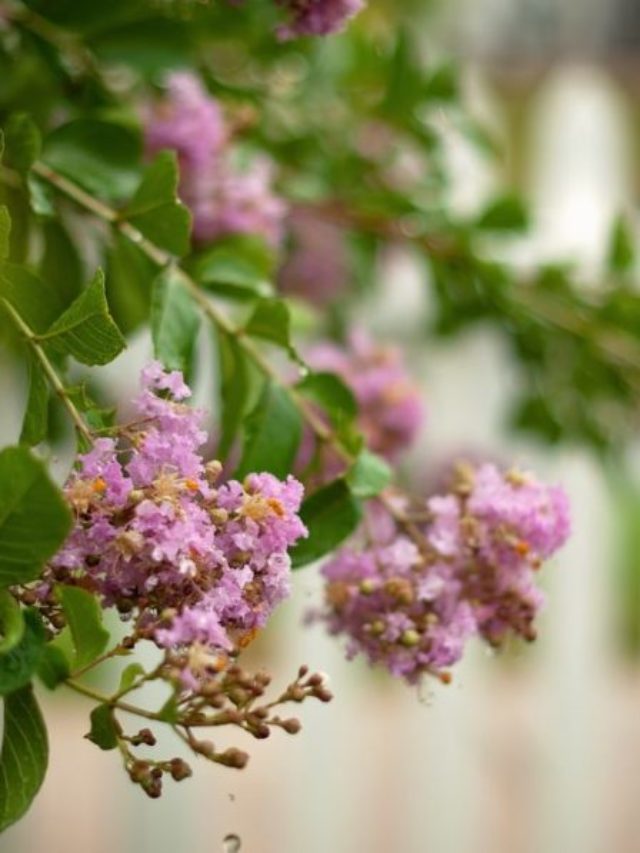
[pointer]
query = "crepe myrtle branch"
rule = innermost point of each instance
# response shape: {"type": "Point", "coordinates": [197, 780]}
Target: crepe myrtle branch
{"type": "Point", "coordinates": [164, 260]}
{"type": "Point", "coordinates": [230, 698]}
{"type": "Point", "coordinates": [616, 347]}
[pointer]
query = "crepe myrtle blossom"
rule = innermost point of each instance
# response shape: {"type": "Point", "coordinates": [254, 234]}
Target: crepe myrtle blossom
{"type": "Point", "coordinates": [196, 564]}
{"type": "Point", "coordinates": [317, 17]}
{"type": "Point", "coordinates": [316, 267]}
{"type": "Point", "coordinates": [413, 605]}
{"type": "Point", "coordinates": [225, 197]}
{"type": "Point", "coordinates": [390, 409]}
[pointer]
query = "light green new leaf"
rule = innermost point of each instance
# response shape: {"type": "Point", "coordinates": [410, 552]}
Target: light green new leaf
{"type": "Point", "coordinates": [24, 756]}
{"type": "Point", "coordinates": [329, 392]}
{"type": "Point", "coordinates": [271, 321]}
{"type": "Point", "coordinates": [34, 517]}
{"type": "Point", "coordinates": [331, 514]}
{"type": "Point", "coordinates": [155, 209]}
{"type": "Point", "coordinates": [86, 330]}
{"type": "Point", "coordinates": [174, 321]}
{"type": "Point", "coordinates": [129, 675]}
{"type": "Point", "coordinates": [272, 434]}
{"type": "Point", "coordinates": [36, 417]}
{"type": "Point", "coordinates": [236, 267]}
{"type": "Point", "coordinates": [11, 622]}
{"type": "Point", "coordinates": [369, 475]}
{"type": "Point", "coordinates": [84, 618]}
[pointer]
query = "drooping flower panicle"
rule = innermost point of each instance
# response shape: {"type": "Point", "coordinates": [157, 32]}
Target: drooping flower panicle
{"type": "Point", "coordinates": [412, 606]}
{"type": "Point", "coordinates": [390, 409]}
{"type": "Point", "coordinates": [224, 197]}
{"type": "Point", "coordinates": [317, 17]}
{"type": "Point", "coordinates": [195, 563]}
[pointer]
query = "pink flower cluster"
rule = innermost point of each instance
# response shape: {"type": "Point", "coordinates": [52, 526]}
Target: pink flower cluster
{"type": "Point", "coordinates": [391, 411]}
{"type": "Point", "coordinates": [223, 198]}
{"type": "Point", "coordinates": [195, 563]}
{"type": "Point", "coordinates": [410, 597]}
{"type": "Point", "coordinates": [317, 267]}
{"type": "Point", "coordinates": [317, 17]}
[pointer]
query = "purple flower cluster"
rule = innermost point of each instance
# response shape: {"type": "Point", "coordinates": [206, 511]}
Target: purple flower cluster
{"type": "Point", "coordinates": [195, 563]}
{"type": "Point", "coordinates": [317, 267]}
{"type": "Point", "coordinates": [411, 602]}
{"type": "Point", "coordinates": [223, 197]}
{"type": "Point", "coordinates": [317, 17]}
{"type": "Point", "coordinates": [391, 411]}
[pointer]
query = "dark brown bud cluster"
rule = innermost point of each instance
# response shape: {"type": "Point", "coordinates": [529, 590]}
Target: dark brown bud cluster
{"type": "Point", "coordinates": [149, 774]}
{"type": "Point", "coordinates": [235, 697]}
{"type": "Point", "coordinates": [230, 697]}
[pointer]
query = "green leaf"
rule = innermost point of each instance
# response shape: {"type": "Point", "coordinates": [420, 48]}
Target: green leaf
{"type": "Point", "coordinates": [169, 711]}
{"type": "Point", "coordinates": [34, 517]}
{"type": "Point", "coordinates": [36, 417]}
{"type": "Point", "coordinates": [35, 300]}
{"type": "Point", "coordinates": [129, 675]}
{"type": "Point", "coordinates": [369, 475]}
{"type": "Point", "coordinates": [11, 622]}
{"type": "Point", "coordinates": [23, 142]}
{"type": "Point", "coordinates": [42, 197]}
{"type": "Point", "coordinates": [130, 277]}
{"type": "Point", "coordinates": [621, 256]}
{"type": "Point", "coordinates": [84, 618]}
{"type": "Point", "coordinates": [443, 84]}
{"type": "Point", "coordinates": [103, 730]}
{"type": "Point", "coordinates": [237, 267]}
{"type": "Point", "coordinates": [101, 156]}
{"type": "Point", "coordinates": [272, 434]}
{"type": "Point", "coordinates": [271, 322]}
{"type": "Point", "coordinates": [235, 385]}
{"type": "Point", "coordinates": [174, 321]}
{"type": "Point", "coordinates": [330, 393]}
{"type": "Point", "coordinates": [54, 666]}
{"type": "Point", "coordinates": [24, 756]}
{"type": "Point", "coordinates": [5, 231]}
{"type": "Point", "coordinates": [18, 665]}
{"type": "Point", "coordinates": [86, 330]}
{"type": "Point", "coordinates": [155, 209]}
{"type": "Point", "coordinates": [331, 514]}
{"type": "Point", "coordinates": [506, 213]}
{"type": "Point", "coordinates": [96, 417]}
{"type": "Point", "coordinates": [60, 265]}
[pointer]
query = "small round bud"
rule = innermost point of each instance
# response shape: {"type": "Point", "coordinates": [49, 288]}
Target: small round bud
{"type": "Point", "coordinates": [139, 771]}
{"type": "Point", "coordinates": [323, 694]}
{"type": "Point", "coordinates": [292, 726]}
{"type": "Point", "coordinates": [233, 757]}
{"type": "Point", "coordinates": [147, 737]}
{"type": "Point", "coordinates": [410, 638]}
{"type": "Point", "coordinates": [179, 769]}
{"type": "Point", "coordinates": [213, 469]}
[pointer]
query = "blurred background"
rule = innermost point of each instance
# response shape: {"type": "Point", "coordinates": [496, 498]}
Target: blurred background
{"type": "Point", "coordinates": [537, 749]}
